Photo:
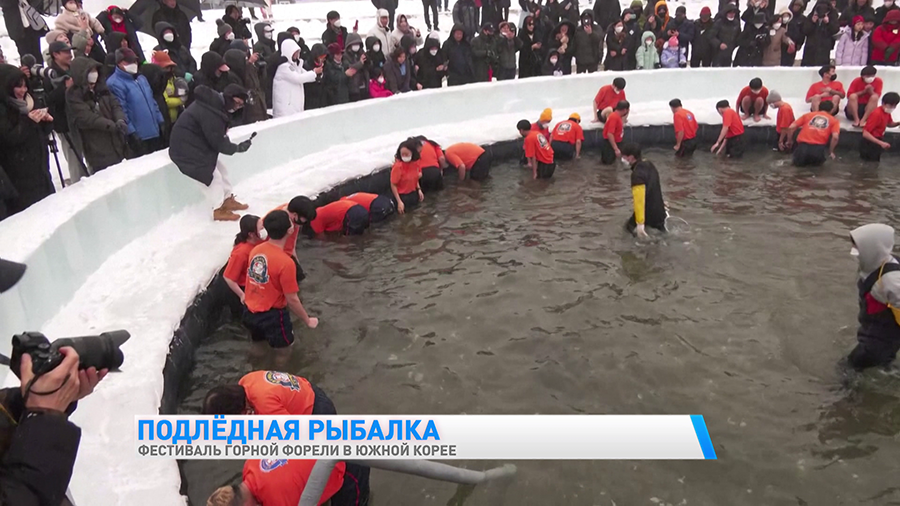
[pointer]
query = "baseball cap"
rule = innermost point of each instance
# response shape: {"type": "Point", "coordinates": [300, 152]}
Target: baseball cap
{"type": "Point", "coordinates": [58, 47]}
{"type": "Point", "coordinates": [125, 55]}
{"type": "Point", "coordinates": [10, 274]}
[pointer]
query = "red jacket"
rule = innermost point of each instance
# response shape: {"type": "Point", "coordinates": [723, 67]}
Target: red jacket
{"type": "Point", "coordinates": [886, 42]}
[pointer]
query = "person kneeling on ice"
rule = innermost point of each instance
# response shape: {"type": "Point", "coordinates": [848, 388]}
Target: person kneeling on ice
{"type": "Point", "coordinates": [343, 216]}
{"type": "Point", "coordinates": [783, 122]}
{"type": "Point", "coordinates": [567, 137]}
{"type": "Point", "coordinates": [872, 143]}
{"type": "Point", "coordinates": [272, 289]}
{"type": "Point", "coordinates": [731, 138]}
{"type": "Point", "coordinates": [199, 135]}
{"type": "Point", "coordinates": [431, 161]}
{"type": "Point", "coordinates": [649, 206]}
{"type": "Point", "coordinates": [879, 297]}
{"type": "Point", "coordinates": [405, 175]}
{"type": "Point", "coordinates": [379, 207]}
{"type": "Point", "coordinates": [614, 133]}
{"type": "Point", "coordinates": [235, 274]}
{"type": "Point", "coordinates": [685, 129]}
{"type": "Point", "coordinates": [472, 158]}
{"type": "Point", "coordinates": [607, 98]}
{"type": "Point", "coordinates": [538, 152]}
{"type": "Point", "coordinates": [816, 130]}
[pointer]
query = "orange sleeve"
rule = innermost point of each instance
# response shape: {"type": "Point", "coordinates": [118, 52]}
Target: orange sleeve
{"type": "Point", "coordinates": [835, 126]}
{"type": "Point", "coordinates": [289, 277]}
{"type": "Point", "coordinates": [530, 148]}
{"type": "Point", "coordinates": [438, 152]}
{"type": "Point", "coordinates": [237, 265]}
{"type": "Point", "coordinates": [598, 98]}
{"type": "Point", "coordinates": [396, 173]}
{"type": "Point", "coordinates": [812, 91]}
{"type": "Point", "coordinates": [453, 159]}
{"type": "Point", "coordinates": [799, 121]}
{"type": "Point", "coordinates": [579, 133]}
{"type": "Point", "coordinates": [679, 123]}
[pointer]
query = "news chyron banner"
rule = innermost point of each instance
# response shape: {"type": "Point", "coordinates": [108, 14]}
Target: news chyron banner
{"type": "Point", "coordinates": [441, 437]}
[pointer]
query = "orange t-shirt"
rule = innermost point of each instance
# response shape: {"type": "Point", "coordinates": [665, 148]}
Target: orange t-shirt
{"type": "Point", "coordinates": [615, 126]}
{"type": "Point", "coordinates": [819, 87]}
{"type": "Point", "coordinates": [271, 275]}
{"type": "Point", "coordinates": [878, 122]}
{"type": "Point", "coordinates": [816, 127]}
{"type": "Point", "coordinates": [731, 119]}
{"type": "Point", "coordinates": [290, 245]}
{"type": "Point", "coordinates": [747, 92]}
{"type": "Point", "coordinates": [280, 482]}
{"type": "Point", "coordinates": [405, 176]}
{"type": "Point", "coordinates": [537, 146]}
{"type": "Point", "coordinates": [785, 117]}
{"type": "Point", "coordinates": [464, 153]}
{"type": "Point", "coordinates": [430, 155]}
{"type": "Point", "coordinates": [568, 131]}
{"type": "Point", "coordinates": [536, 127]}
{"type": "Point", "coordinates": [607, 97]}
{"type": "Point", "coordinates": [687, 123]}
{"type": "Point", "coordinates": [278, 393]}
{"type": "Point", "coordinates": [236, 269]}
{"type": "Point", "coordinates": [362, 198]}
{"type": "Point", "coordinates": [330, 217]}
{"type": "Point", "coordinates": [858, 85]}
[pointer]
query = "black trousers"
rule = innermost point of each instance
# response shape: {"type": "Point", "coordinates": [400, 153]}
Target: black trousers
{"type": "Point", "coordinates": [873, 353]}
{"type": "Point", "coordinates": [432, 179]}
{"type": "Point", "coordinates": [410, 200]}
{"type": "Point", "coordinates": [734, 147]}
{"type": "Point", "coordinates": [140, 147]}
{"type": "Point", "coordinates": [505, 74]}
{"type": "Point", "coordinates": [481, 169]}
{"type": "Point", "coordinates": [563, 150]}
{"type": "Point", "coordinates": [631, 225]}
{"type": "Point", "coordinates": [607, 153]}
{"type": "Point", "coordinates": [809, 155]}
{"type": "Point", "coordinates": [869, 151]}
{"type": "Point", "coordinates": [355, 489]}
{"type": "Point", "coordinates": [433, 5]}
{"type": "Point", "coordinates": [545, 170]}
{"type": "Point", "coordinates": [688, 146]}
{"type": "Point", "coordinates": [356, 221]}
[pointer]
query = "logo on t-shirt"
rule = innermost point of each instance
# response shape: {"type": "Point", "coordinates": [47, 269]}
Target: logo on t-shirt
{"type": "Point", "coordinates": [259, 270]}
{"type": "Point", "coordinates": [542, 141]}
{"type": "Point", "coordinates": [819, 122]}
{"type": "Point", "coordinates": [690, 117]}
{"type": "Point", "coordinates": [284, 379]}
{"type": "Point", "coordinates": [271, 464]}
{"type": "Point", "coordinates": [564, 127]}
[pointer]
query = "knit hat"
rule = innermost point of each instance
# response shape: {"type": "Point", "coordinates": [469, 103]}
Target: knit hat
{"type": "Point", "coordinates": [334, 48]}
{"type": "Point", "coordinates": [575, 116]}
{"type": "Point", "coordinates": [858, 19]}
{"type": "Point", "coordinates": [774, 96]}
{"type": "Point", "coordinates": [222, 28]}
{"type": "Point", "coordinates": [162, 59]}
{"type": "Point", "coordinates": [706, 11]}
{"type": "Point", "coordinates": [80, 42]}
{"type": "Point", "coordinates": [673, 41]}
{"type": "Point", "coordinates": [546, 115]}
{"type": "Point", "coordinates": [125, 55]}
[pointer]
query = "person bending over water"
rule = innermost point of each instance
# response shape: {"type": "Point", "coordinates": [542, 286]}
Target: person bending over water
{"type": "Point", "coordinates": [649, 206]}
{"type": "Point", "coordinates": [235, 274]}
{"type": "Point", "coordinates": [614, 133]}
{"type": "Point", "coordinates": [567, 137]}
{"type": "Point", "coordinates": [731, 138]}
{"type": "Point", "coordinates": [878, 287]}
{"type": "Point", "coordinates": [685, 124]}
{"type": "Point", "coordinates": [872, 143]}
{"type": "Point", "coordinates": [783, 122]}
{"type": "Point", "coordinates": [343, 216]}
{"type": "Point", "coordinates": [538, 152]}
{"type": "Point", "coordinates": [431, 160]}
{"type": "Point", "coordinates": [379, 207]}
{"type": "Point", "coordinates": [469, 158]}
{"type": "Point", "coordinates": [405, 175]}
{"type": "Point", "coordinates": [818, 131]}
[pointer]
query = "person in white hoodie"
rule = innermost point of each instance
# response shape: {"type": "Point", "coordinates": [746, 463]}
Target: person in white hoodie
{"type": "Point", "coordinates": [879, 297]}
{"type": "Point", "coordinates": [381, 32]}
{"type": "Point", "coordinates": [287, 86]}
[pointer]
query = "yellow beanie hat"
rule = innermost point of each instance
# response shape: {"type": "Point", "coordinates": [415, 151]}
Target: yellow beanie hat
{"type": "Point", "coordinates": [575, 116]}
{"type": "Point", "coordinates": [546, 115]}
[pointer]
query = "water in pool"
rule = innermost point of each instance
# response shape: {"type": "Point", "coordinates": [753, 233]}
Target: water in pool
{"type": "Point", "coordinates": [521, 296]}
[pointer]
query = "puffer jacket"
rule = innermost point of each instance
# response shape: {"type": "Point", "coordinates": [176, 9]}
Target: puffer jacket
{"type": "Point", "coordinates": [615, 42]}
{"type": "Point", "coordinates": [93, 114]}
{"type": "Point", "coordinates": [136, 98]}
{"type": "Point", "coordinates": [206, 76]}
{"type": "Point", "coordinates": [265, 47]}
{"type": "Point", "coordinates": [778, 40]}
{"type": "Point", "coordinates": [200, 134]}
{"type": "Point", "coordinates": [74, 22]}
{"type": "Point", "coordinates": [725, 32]}
{"type": "Point", "coordinates": [246, 75]}
{"type": "Point", "coordinates": [461, 67]}
{"type": "Point", "coordinates": [484, 49]}
{"type": "Point", "coordinates": [177, 51]}
{"type": "Point", "coordinates": [315, 90]}
{"type": "Point", "coordinates": [399, 77]}
{"type": "Point", "coordinates": [132, 25]}
{"type": "Point", "coordinates": [588, 46]}
{"type": "Point", "coordinates": [428, 74]}
{"type": "Point", "coordinates": [820, 35]}
{"type": "Point", "coordinates": [506, 51]}
{"type": "Point", "coordinates": [853, 48]}
{"type": "Point", "coordinates": [336, 82]}
{"type": "Point", "coordinates": [465, 14]}
{"type": "Point", "coordinates": [647, 57]}
{"type": "Point", "coordinates": [359, 82]}
{"type": "Point", "coordinates": [566, 49]}
{"type": "Point", "coordinates": [288, 96]}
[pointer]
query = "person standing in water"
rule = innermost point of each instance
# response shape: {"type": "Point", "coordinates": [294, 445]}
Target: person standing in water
{"type": "Point", "coordinates": [783, 122]}
{"type": "Point", "coordinates": [538, 153]}
{"type": "Point", "coordinates": [872, 144]}
{"type": "Point", "coordinates": [405, 175]}
{"type": "Point", "coordinates": [731, 138]}
{"type": "Point", "coordinates": [567, 137]}
{"type": "Point", "coordinates": [614, 133]}
{"type": "Point", "coordinates": [646, 191]}
{"type": "Point", "coordinates": [818, 130]}
{"type": "Point", "coordinates": [235, 274]}
{"type": "Point", "coordinates": [878, 287]}
{"type": "Point", "coordinates": [686, 127]}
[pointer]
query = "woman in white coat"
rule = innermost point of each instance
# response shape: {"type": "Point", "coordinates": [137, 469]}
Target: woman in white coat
{"type": "Point", "coordinates": [287, 86]}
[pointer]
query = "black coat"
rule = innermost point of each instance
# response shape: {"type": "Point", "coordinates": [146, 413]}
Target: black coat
{"type": "Point", "coordinates": [132, 25]}
{"type": "Point", "coordinates": [23, 148]}
{"type": "Point", "coordinates": [819, 37]}
{"type": "Point", "coordinates": [336, 82]}
{"type": "Point", "coordinates": [397, 82]}
{"type": "Point", "coordinates": [55, 91]}
{"type": "Point", "coordinates": [200, 134]}
{"type": "Point", "coordinates": [751, 43]}
{"type": "Point", "coordinates": [428, 75]}
{"type": "Point", "coordinates": [702, 48]}
{"type": "Point", "coordinates": [529, 59]}
{"type": "Point", "coordinates": [632, 41]}
{"type": "Point", "coordinates": [485, 56]}
{"type": "Point", "coordinates": [240, 27]}
{"type": "Point", "coordinates": [465, 14]}
{"type": "Point", "coordinates": [206, 76]}
{"type": "Point", "coordinates": [881, 12]}
{"type": "Point", "coordinates": [177, 19]}
{"type": "Point", "coordinates": [853, 10]}
{"type": "Point", "coordinates": [565, 57]}
{"type": "Point", "coordinates": [461, 66]}
{"type": "Point", "coordinates": [614, 44]}
{"type": "Point", "coordinates": [330, 36]}
{"type": "Point", "coordinates": [93, 115]}
{"type": "Point", "coordinates": [314, 92]}
{"type": "Point", "coordinates": [265, 47]}
{"type": "Point", "coordinates": [178, 52]}
{"type": "Point", "coordinates": [246, 74]}
{"type": "Point", "coordinates": [686, 29]}
{"type": "Point", "coordinates": [588, 48]}
{"type": "Point", "coordinates": [724, 32]}
{"type": "Point", "coordinates": [607, 12]}
{"type": "Point", "coordinates": [220, 45]}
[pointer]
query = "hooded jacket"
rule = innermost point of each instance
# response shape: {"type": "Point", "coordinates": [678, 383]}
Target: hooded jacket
{"type": "Point", "coordinates": [775, 47]}
{"type": "Point", "coordinates": [428, 75]}
{"type": "Point", "coordinates": [795, 26]}
{"type": "Point", "coordinates": [633, 31]}
{"type": "Point", "coordinates": [529, 58]}
{"type": "Point", "coordinates": [853, 10]}
{"type": "Point", "coordinates": [137, 101]}
{"type": "Point", "coordinates": [178, 52]}
{"type": "Point", "coordinates": [465, 14]}
{"type": "Point", "coordinates": [92, 117]}
{"type": "Point", "coordinates": [702, 48]}
{"type": "Point", "coordinates": [820, 35]}
{"type": "Point", "coordinates": [875, 243]}
{"type": "Point", "coordinates": [265, 47]}
{"type": "Point", "coordinates": [886, 40]}
{"type": "Point", "coordinates": [751, 42]}
{"type": "Point", "coordinates": [615, 42]}
{"type": "Point", "coordinates": [566, 50]}
{"type": "Point", "coordinates": [506, 51]}
{"type": "Point", "coordinates": [359, 82]}
{"type": "Point", "coordinates": [206, 76]}
{"type": "Point", "coordinates": [159, 80]}
{"type": "Point", "coordinates": [485, 56]}
{"type": "Point", "coordinates": [238, 26]}
{"type": "Point", "coordinates": [374, 59]}
{"type": "Point", "coordinates": [460, 59]}
{"type": "Point", "coordinates": [244, 73]}
{"type": "Point", "coordinates": [588, 47]}
{"type": "Point", "coordinates": [662, 20]}
{"type": "Point", "coordinates": [315, 91]}
{"type": "Point", "coordinates": [132, 25]}
{"type": "Point", "coordinates": [383, 34]}
{"type": "Point", "coordinates": [647, 57]}
{"type": "Point", "coordinates": [673, 57]}
{"type": "Point", "coordinates": [335, 81]}
{"type": "Point", "coordinates": [288, 96]}
{"type": "Point", "coordinates": [725, 32]}
{"type": "Point", "coordinates": [552, 69]}
{"type": "Point", "coordinates": [607, 13]}
{"type": "Point", "coordinates": [200, 134]}
{"type": "Point", "coordinates": [882, 11]}
{"type": "Point", "coordinates": [853, 48]}
{"type": "Point", "coordinates": [177, 19]}
{"type": "Point", "coordinates": [71, 22]}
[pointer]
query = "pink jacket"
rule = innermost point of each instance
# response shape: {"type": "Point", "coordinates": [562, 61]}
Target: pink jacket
{"type": "Point", "coordinates": [377, 90]}
{"type": "Point", "coordinates": [74, 22]}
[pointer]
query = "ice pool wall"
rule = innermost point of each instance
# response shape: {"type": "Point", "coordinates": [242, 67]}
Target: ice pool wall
{"type": "Point", "coordinates": [69, 236]}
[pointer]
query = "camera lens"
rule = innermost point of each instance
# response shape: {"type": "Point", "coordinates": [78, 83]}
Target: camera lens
{"type": "Point", "coordinates": [101, 352]}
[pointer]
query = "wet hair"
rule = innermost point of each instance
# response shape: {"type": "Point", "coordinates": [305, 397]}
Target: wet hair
{"type": "Point", "coordinates": [619, 83]}
{"type": "Point", "coordinates": [755, 83]}
{"type": "Point", "coordinates": [825, 69]}
{"type": "Point", "coordinates": [891, 98]}
{"type": "Point", "coordinates": [523, 124]}
{"type": "Point", "coordinates": [412, 145]}
{"type": "Point", "coordinates": [722, 104]}
{"type": "Point", "coordinates": [868, 71]}
{"type": "Point", "coordinates": [248, 226]}
{"type": "Point", "coordinates": [277, 224]}
{"type": "Point", "coordinates": [675, 102]}
{"type": "Point", "coordinates": [631, 149]}
{"type": "Point", "coordinates": [225, 400]}
{"type": "Point", "coordinates": [623, 105]}
{"type": "Point", "coordinates": [302, 207]}
{"type": "Point", "coordinates": [826, 106]}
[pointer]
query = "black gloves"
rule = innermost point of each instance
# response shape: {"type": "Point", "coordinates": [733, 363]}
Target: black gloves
{"type": "Point", "coordinates": [243, 146]}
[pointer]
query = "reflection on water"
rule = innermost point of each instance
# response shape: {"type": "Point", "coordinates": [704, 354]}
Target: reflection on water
{"type": "Point", "coordinates": [518, 296]}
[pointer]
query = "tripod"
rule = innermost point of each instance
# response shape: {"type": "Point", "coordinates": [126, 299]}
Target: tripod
{"type": "Point", "coordinates": [51, 140]}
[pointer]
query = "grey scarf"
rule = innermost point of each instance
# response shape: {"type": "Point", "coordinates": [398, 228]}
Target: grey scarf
{"type": "Point", "coordinates": [25, 106]}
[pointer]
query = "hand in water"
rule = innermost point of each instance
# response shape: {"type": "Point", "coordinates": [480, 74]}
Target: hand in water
{"type": "Point", "coordinates": [313, 322]}
{"type": "Point", "coordinates": [400, 207]}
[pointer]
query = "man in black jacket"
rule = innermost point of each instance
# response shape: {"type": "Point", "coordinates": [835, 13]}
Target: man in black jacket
{"type": "Point", "coordinates": [458, 52]}
{"type": "Point", "coordinates": [98, 122]}
{"type": "Point", "coordinates": [55, 92]}
{"type": "Point", "coordinates": [39, 443]}
{"type": "Point", "coordinates": [169, 12]}
{"type": "Point", "coordinates": [724, 36]}
{"type": "Point", "coordinates": [240, 25]}
{"type": "Point", "coordinates": [334, 32]}
{"type": "Point", "coordinates": [199, 135]}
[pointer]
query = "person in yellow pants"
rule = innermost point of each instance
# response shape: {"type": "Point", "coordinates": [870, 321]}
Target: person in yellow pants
{"type": "Point", "coordinates": [649, 206]}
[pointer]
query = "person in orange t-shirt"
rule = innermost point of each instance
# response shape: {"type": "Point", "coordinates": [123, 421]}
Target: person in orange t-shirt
{"type": "Point", "coordinates": [432, 161]}
{"type": "Point", "coordinates": [272, 289]}
{"type": "Point", "coordinates": [607, 98]}
{"type": "Point", "coordinates": [538, 151]}
{"type": "Point", "coordinates": [731, 138]}
{"type": "Point", "coordinates": [567, 137]}
{"type": "Point", "coordinates": [379, 207]}
{"type": "Point", "coordinates": [471, 158]}
{"type": "Point", "coordinates": [343, 216]}
{"type": "Point", "coordinates": [816, 130]}
{"type": "Point", "coordinates": [542, 125]}
{"type": "Point", "coordinates": [784, 143]}
{"type": "Point", "coordinates": [614, 133]}
{"type": "Point", "coordinates": [405, 175]}
{"type": "Point", "coordinates": [685, 129]}
{"type": "Point", "coordinates": [872, 143]}
{"type": "Point", "coordinates": [827, 90]}
{"type": "Point", "coordinates": [752, 100]}
{"type": "Point", "coordinates": [863, 95]}
{"type": "Point", "coordinates": [235, 274]}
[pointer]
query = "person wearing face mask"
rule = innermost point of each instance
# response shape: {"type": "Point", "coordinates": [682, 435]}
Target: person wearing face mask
{"type": "Point", "coordinates": [226, 35]}
{"type": "Point", "coordinates": [614, 133]}
{"type": "Point", "coordinates": [646, 193]}
{"type": "Point", "coordinates": [862, 8]}
{"type": "Point", "coordinates": [562, 40]}
{"type": "Point", "coordinates": [683, 27]}
{"type": "Point", "coordinates": [881, 12]}
{"type": "Point", "coordinates": [243, 71]}
{"type": "Point", "coordinates": [357, 60]}
{"type": "Point", "coordinates": [872, 144]}
{"type": "Point", "coordinates": [647, 57]}
{"type": "Point", "coordinates": [795, 21]}
{"type": "Point", "coordinates": [552, 65]}
{"type": "Point", "coordinates": [405, 175]}
{"type": "Point", "coordinates": [117, 20]}
{"type": "Point", "coordinates": [431, 64]}
{"type": "Point", "coordinates": [175, 94]}
{"type": "Point", "coordinates": [485, 54]}
{"type": "Point", "coordinates": [382, 32]}
{"type": "Point", "coordinates": [97, 121]}
{"type": "Point", "coordinates": [170, 42]}
{"type": "Point", "coordinates": [170, 13]}
{"type": "Point", "coordinates": [334, 33]}
{"type": "Point", "coordinates": [265, 40]}
{"type": "Point", "coordinates": [214, 73]}
{"type": "Point", "coordinates": [633, 33]}
{"type": "Point", "coordinates": [84, 46]}
{"type": "Point", "coordinates": [616, 47]}
{"type": "Point", "coordinates": [460, 58]}
{"type": "Point", "coordinates": [878, 284]}
{"type": "Point", "coordinates": [754, 7]}
{"type": "Point", "coordinates": [588, 46]}
{"type": "Point", "coordinates": [862, 96]}
{"type": "Point", "coordinates": [606, 14]}
{"type": "Point", "coordinates": [239, 25]}
{"type": "Point", "coordinates": [73, 19]}
{"type": "Point", "coordinates": [145, 121]}
{"type": "Point", "coordinates": [288, 96]}
{"type": "Point", "coordinates": [374, 57]}
{"type": "Point", "coordinates": [829, 89]}
{"type": "Point", "coordinates": [538, 151]}
{"type": "Point", "coordinates": [886, 40]}
{"type": "Point", "coordinates": [751, 42]}
{"type": "Point", "coordinates": [724, 36]}
{"type": "Point", "coordinates": [820, 28]}
{"type": "Point", "coordinates": [778, 41]}
{"type": "Point", "coordinates": [377, 87]}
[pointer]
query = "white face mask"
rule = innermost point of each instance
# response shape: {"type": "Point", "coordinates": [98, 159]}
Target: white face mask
{"type": "Point", "coordinates": [92, 77]}
{"type": "Point", "coordinates": [117, 20]}
{"type": "Point", "coordinates": [267, 35]}
{"type": "Point", "coordinates": [380, 80]}
{"type": "Point", "coordinates": [785, 20]}
{"type": "Point", "coordinates": [625, 162]}
{"type": "Point", "coordinates": [729, 18]}
{"type": "Point", "coordinates": [354, 48]}
{"type": "Point", "coordinates": [868, 80]}
{"type": "Point", "coordinates": [648, 42]}
{"type": "Point", "coordinates": [263, 235]}
{"type": "Point", "coordinates": [433, 52]}
{"type": "Point", "coordinates": [776, 26]}
{"type": "Point", "coordinates": [297, 38]}
{"type": "Point", "coordinates": [888, 109]}
{"type": "Point", "coordinates": [229, 36]}
{"type": "Point", "coordinates": [553, 61]}
{"type": "Point", "coordinates": [773, 32]}
{"type": "Point", "coordinates": [376, 47]}
{"type": "Point", "coordinates": [169, 37]}
{"type": "Point", "coordinates": [406, 158]}
{"type": "Point", "coordinates": [758, 25]}
{"type": "Point", "coordinates": [131, 68]}
{"type": "Point", "coordinates": [619, 29]}
{"type": "Point", "coordinates": [337, 23]}
{"type": "Point", "coordinates": [854, 252]}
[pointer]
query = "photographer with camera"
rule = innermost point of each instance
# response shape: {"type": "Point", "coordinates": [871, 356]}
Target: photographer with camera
{"type": "Point", "coordinates": [56, 82]}
{"type": "Point", "coordinates": [37, 441]}
{"type": "Point", "coordinates": [239, 25]}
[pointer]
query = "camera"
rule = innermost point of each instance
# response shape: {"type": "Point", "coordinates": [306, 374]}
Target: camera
{"type": "Point", "coordinates": [101, 352]}
{"type": "Point", "coordinates": [43, 72]}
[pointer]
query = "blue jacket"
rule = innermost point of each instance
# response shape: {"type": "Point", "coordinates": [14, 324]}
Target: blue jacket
{"type": "Point", "coordinates": [136, 98]}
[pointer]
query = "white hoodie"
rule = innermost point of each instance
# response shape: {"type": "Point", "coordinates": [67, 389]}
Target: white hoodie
{"type": "Point", "coordinates": [287, 86]}
{"type": "Point", "coordinates": [875, 244]}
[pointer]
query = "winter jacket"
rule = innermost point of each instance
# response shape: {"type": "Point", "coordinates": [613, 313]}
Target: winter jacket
{"type": "Point", "coordinates": [335, 82]}
{"type": "Point", "coordinates": [428, 75]}
{"type": "Point", "coordinates": [686, 31]}
{"type": "Point", "coordinates": [399, 77]}
{"type": "Point", "coordinates": [314, 91]}
{"type": "Point", "coordinates": [507, 49]}
{"type": "Point", "coordinates": [751, 43]}
{"type": "Point", "coordinates": [374, 59]}
{"type": "Point", "coordinates": [174, 102]}
{"type": "Point", "coordinates": [178, 52]}
{"type": "Point", "coordinates": [136, 98]}
{"type": "Point", "coordinates": [647, 57]}
{"type": "Point", "coordinates": [588, 47]}
{"type": "Point", "coordinates": [359, 83]}
{"type": "Point", "coordinates": [820, 36]}
{"type": "Point", "coordinates": [702, 47]}
{"type": "Point", "coordinates": [199, 135]}
{"type": "Point", "coordinates": [239, 27]}
{"type": "Point", "coordinates": [772, 52]}
{"type": "Point", "coordinates": [607, 13]}
{"type": "Point", "coordinates": [673, 57]}
{"type": "Point", "coordinates": [529, 59]}
{"type": "Point", "coordinates": [485, 56]}
{"type": "Point", "coordinates": [461, 66]}
{"type": "Point", "coordinates": [397, 35]}
{"type": "Point", "coordinates": [465, 14]}
{"type": "Point", "coordinates": [219, 45]}
{"type": "Point", "coordinates": [245, 74]}
{"type": "Point", "coordinates": [177, 19]}
{"type": "Point", "coordinates": [725, 32]}
{"type": "Point", "coordinates": [74, 22]}
{"type": "Point", "coordinates": [568, 10]}
{"type": "Point", "coordinates": [132, 25]}
{"type": "Point", "coordinates": [552, 69]}
{"type": "Point", "coordinates": [632, 41]}
{"type": "Point", "coordinates": [157, 77]}
{"type": "Point", "coordinates": [886, 41]}
{"type": "Point", "coordinates": [852, 49]}
{"type": "Point", "coordinates": [882, 11]}
{"type": "Point", "coordinates": [377, 90]}
{"type": "Point", "coordinates": [55, 93]}
{"type": "Point", "coordinates": [331, 36]}
{"type": "Point", "coordinates": [93, 114]}
{"type": "Point", "coordinates": [853, 10]}
{"type": "Point", "coordinates": [265, 47]}
{"type": "Point", "coordinates": [566, 50]}
{"type": "Point", "coordinates": [383, 34]}
{"type": "Point", "coordinates": [288, 95]}
{"type": "Point", "coordinates": [207, 75]}
{"type": "Point", "coordinates": [615, 42]}
{"type": "Point", "coordinates": [24, 157]}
